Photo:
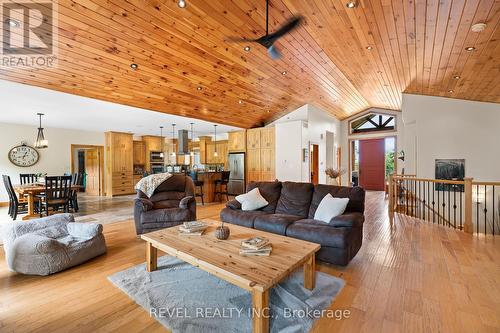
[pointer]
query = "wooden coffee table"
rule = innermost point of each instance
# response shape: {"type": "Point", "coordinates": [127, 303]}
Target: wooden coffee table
{"type": "Point", "coordinates": [222, 259]}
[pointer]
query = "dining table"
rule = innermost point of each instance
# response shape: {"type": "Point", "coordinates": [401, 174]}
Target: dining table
{"type": "Point", "coordinates": [30, 191]}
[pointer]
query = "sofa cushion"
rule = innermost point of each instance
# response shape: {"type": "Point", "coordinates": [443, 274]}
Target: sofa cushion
{"type": "Point", "coordinates": [295, 199]}
{"type": "Point", "coordinates": [275, 223]}
{"type": "Point", "coordinates": [356, 197]}
{"type": "Point", "coordinates": [270, 191]}
{"type": "Point", "coordinates": [319, 232]}
{"type": "Point", "coordinates": [166, 215]}
{"type": "Point", "coordinates": [252, 200]}
{"type": "Point", "coordinates": [239, 217]}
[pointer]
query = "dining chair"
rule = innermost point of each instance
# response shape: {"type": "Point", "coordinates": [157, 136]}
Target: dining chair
{"type": "Point", "coordinates": [57, 194]}
{"type": "Point", "coordinates": [76, 179]}
{"type": "Point", "coordinates": [27, 178]}
{"type": "Point", "coordinates": [16, 206]}
{"type": "Point", "coordinates": [198, 184]}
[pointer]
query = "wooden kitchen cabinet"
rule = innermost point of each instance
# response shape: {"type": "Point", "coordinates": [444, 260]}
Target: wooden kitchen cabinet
{"type": "Point", "coordinates": [267, 138]}
{"type": "Point", "coordinates": [267, 164]}
{"type": "Point", "coordinates": [253, 165]}
{"type": "Point", "coordinates": [253, 138]}
{"type": "Point", "coordinates": [139, 153]}
{"type": "Point", "coordinates": [237, 141]}
{"type": "Point", "coordinates": [119, 163]}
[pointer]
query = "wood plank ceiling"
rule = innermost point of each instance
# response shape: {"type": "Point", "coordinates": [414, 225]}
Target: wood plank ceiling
{"type": "Point", "coordinates": [342, 60]}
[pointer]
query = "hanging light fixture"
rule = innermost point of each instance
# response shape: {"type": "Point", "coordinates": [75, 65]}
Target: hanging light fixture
{"type": "Point", "coordinates": [215, 138]}
{"type": "Point", "coordinates": [173, 136]}
{"type": "Point", "coordinates": [191, 153]}
{"type": "Point", "coordinates": [162, 142]}
{"type": "Point", "coordinates": [41, 142]}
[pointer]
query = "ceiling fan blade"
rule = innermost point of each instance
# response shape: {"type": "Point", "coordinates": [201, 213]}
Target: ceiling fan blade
{"type": "Point", "coordinates": [274, 53]}
{"type": "Point", "coordinates": [290, 25]}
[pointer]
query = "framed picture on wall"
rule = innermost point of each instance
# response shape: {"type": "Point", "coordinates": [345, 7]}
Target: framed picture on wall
{"type": "Point", "coordinates": [450, 169]}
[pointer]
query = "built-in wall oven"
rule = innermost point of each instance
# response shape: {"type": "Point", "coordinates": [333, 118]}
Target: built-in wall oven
{"type": "Point", "coordinates": [157, 162]}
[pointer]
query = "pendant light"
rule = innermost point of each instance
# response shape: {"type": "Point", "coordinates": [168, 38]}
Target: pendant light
{"type": "Point", "coordinates": [191, 153]}
{"type": "Point", "coordinates": [162, 142]}
{"type": "Point", "coordinates": [41, 142]}
{"type": "Point", "coordinates": [173, 136]}
{"type": "Point", "coordinates": [215, 138]}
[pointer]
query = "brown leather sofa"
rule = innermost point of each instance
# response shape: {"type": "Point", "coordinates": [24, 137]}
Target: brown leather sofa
{"type": "Point", "coordinates": [172, 203]}
{"type": "Point", "coordinates": [290, 212]}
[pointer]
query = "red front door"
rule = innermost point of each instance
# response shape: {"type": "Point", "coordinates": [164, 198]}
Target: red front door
{"type": "Point", "coordinates": [372, 164]}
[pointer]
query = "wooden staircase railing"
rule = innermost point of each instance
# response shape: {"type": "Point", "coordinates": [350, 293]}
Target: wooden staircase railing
{"type": "Point", "coordinates": [462, 204]}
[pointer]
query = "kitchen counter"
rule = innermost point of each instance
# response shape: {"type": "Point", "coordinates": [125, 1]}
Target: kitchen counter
{"type": "Point", "coordinates": [209, 178]}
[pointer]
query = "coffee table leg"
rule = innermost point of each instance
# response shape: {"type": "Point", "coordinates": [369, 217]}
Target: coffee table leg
{"type": "Point", "coordinates": [151, 257]}
{"type": "Point", "coordinates": [310, 272]}
{"type": "Point", "coordinates": [260, 311]}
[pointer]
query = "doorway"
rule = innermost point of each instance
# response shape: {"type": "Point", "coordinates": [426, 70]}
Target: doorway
{"type": "Point", "coordinates": [314, 163]}
{"type": "Point", "coordinates": [88, 160]}
{"type": "Point", "coordinates": [371, 162]}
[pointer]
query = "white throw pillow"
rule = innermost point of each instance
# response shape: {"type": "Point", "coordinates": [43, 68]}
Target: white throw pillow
{"type": "Point", "coordinates": [252, 200]}
{"type": "Point", "coordinates": [330, 207]}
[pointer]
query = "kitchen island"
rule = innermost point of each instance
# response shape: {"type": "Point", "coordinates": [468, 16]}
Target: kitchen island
{"type": "Point", "coordinates": [208, 178]}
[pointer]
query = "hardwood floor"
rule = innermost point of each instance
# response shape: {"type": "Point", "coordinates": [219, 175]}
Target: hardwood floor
{"type": "Point", "coordinates": [414, 277]}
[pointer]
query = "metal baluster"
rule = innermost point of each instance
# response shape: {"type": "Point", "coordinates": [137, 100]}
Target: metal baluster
{"type": "Point", "coordinates": [461, 220]}
{"type": "Point", "coordinates": [485, 209]}
{"type": "Point", "coordinates": [439, 204]}
{"type": "Point", "coordinates": [477, 208]}
{"type": "Point", "coordinates": [454, 207]}
{"type": "Point", "coordinates": [493, 210]}
{"type": "Point", "coordinates": [433, 203]}
{"type": "Point", "coordinates": [449, 207]}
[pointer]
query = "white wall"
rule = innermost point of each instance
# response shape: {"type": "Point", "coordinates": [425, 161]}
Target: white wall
{"type": "Point", "coordinates": [441, 127]}
{"type": "Point", "coordinates": [289, 143]}
{"type": "Point", "coordinates": [54, 160]}
{"type": "Point", "coordinates": [296, 131]}
{"type": "Point", "coordinates": [346, 136]}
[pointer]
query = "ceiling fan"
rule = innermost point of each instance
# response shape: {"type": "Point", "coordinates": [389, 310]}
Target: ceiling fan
{"type": "Point", "coordinates": [268, 39]}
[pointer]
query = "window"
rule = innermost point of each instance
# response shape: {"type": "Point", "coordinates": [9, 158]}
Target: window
{"type": "Point", "coordinates": [373, 122]}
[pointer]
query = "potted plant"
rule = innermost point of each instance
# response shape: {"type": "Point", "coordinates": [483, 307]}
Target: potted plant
{"type": "Point", "coordinates": [333, 176]}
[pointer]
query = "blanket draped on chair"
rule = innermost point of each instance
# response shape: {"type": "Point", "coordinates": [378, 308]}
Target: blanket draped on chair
{"type": "Point", "coordinates": [148, 184]}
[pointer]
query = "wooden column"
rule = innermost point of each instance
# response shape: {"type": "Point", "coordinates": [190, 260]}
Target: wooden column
{"type": "Point", "coordinates": [468, 227]}
{"type": "Point", "coordinates": [390, 206]}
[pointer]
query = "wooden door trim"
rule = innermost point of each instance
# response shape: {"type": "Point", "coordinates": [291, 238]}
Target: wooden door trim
{"type": "Point", "coordinates": [100, 151]}
{"type": "Point", "coordinates": [350, 151]}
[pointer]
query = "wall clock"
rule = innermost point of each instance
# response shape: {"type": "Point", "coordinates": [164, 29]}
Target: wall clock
{"type": "Point", "coordinates": [24, 155]}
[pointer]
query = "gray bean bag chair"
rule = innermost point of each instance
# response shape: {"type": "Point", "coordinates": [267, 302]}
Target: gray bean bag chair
{"type": "Point", "coordinates": [51, 244]}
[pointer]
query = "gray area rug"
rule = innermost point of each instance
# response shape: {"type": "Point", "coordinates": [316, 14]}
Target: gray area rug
{"type": "Point", "coordinates": [184, 298]}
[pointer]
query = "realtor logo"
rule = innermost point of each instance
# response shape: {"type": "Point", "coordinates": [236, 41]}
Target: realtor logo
{"type": "Point", "coordinates": [29, 33]}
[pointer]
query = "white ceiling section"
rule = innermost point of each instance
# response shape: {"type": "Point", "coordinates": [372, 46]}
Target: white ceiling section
{"type": "Point", "coordinates": [20, 103]}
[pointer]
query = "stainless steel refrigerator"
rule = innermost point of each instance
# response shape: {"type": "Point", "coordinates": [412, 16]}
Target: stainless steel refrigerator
{"type": "Point", "coordinates": [236, 183]}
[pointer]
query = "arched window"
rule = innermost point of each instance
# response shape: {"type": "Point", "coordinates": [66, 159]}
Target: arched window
{"type": "Point", "coordinates": [373, 122]}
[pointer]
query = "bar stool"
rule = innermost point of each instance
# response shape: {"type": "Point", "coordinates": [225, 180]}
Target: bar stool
{"type": "Point", "coordinates": [219, 183]}
{"type": "Point", "coordinates": [197, 184]}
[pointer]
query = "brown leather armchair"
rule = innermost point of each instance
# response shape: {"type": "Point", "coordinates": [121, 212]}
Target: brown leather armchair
{"type": "Point", "coordinates": [171, 204]}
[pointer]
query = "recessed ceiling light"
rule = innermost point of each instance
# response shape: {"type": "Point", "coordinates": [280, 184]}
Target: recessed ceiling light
{"type": "Point", "coordinates": [456, 77]}
{"type": "Point", "coordinates": [478, 27]}
{"type": "Point", "coordinates": [199, 88]}
{"type": "Point", "coordinates": [351, 4]}
{"type": "Point", "coordinates": [181, 4]}
{"type": "Point", "coordinates": [470, 48]}
{"type": "Point", "coordinates": [450, 91]}
{"type": "Point", "coordinates": [369, 47]}
{"type": "Point", "coordinates": [283, 73]}
{"type": "Point", "coordinates": [134, 66]}
{"type": "Point", "coordinates": [247, 48]}
{"type": "Point", "coordinates": [13, 23]}
{"type": "Point", "coordinates": [268, 111]}
{"type": "Point", "coordinates": [240, 101]}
